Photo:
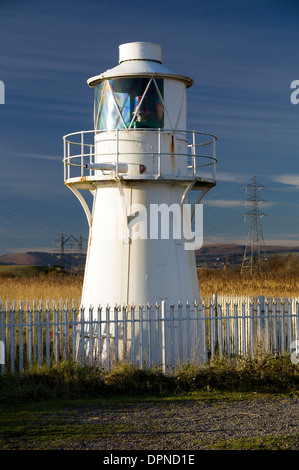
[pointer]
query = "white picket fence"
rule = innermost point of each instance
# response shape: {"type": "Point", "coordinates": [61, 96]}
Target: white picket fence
{"type": "Point", "coordinates": [165, 335]}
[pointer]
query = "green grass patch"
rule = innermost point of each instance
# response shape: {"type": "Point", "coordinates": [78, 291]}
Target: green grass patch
{"type": "Point", "coordinates": [257, 443]}
{"type": "Point", "coordinates": [269, 375]}
{"type": "Point", "coordinates": [21, 270]}
{"type": "Point", "coordinates": [42, 426]}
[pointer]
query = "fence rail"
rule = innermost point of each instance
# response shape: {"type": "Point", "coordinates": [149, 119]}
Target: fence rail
{"type": "Point", "coordinates": [163, 334]}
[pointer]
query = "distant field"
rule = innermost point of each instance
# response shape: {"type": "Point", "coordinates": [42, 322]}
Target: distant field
{"type": "Point", "coordinates": [37, 282]}
{"type": "Point", "coordinates": [20, 270]}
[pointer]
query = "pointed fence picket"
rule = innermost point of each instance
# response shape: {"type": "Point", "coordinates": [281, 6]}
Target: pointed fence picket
{"type": "Point", "coordinates": [165, 335]}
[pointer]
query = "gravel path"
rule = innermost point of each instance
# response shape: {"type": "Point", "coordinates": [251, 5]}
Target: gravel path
{"type": "Point", "coordinates": [185, 425]}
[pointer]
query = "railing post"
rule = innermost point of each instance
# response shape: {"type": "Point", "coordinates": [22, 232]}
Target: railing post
{"type": "Point", "coordinates": [159, 152]}
{"type": "Point", "coordinates": [193, 154]}
{"type": "Point", "coordinates": [117, 152]}
{"type": "Point", "coordinates": [64, 159]}
{"type": "Point", "coordinates": [68, 160]}
{"type": "Point", "coordinates": [82, 153]}
{"type": "Point", "coordinates": [214, 159]}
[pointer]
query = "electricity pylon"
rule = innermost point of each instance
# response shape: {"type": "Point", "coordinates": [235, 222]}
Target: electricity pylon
{"type": "Point", "coordinates": [255, 259]}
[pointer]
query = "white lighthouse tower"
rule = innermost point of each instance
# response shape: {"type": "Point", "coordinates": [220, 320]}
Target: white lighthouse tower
{"type": "Point", "coordinates": [141, 164]}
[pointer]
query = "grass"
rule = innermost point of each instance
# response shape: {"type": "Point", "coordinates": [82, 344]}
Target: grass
{"type": "Point", "coordinates": [257, 443]}
{"type": "Point", "coordinates": [41, 286]}
{"type": "Point", "coordinates": [71, 380]}
{"type": "Point", "coordinates": [33, 282]}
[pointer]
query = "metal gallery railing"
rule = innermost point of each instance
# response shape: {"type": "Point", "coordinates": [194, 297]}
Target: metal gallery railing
{"type": "Point", "coordinates": [79, 153]}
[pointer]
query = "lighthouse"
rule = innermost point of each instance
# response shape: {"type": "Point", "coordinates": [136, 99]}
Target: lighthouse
{"type": "Point", "coordinates": [147, 174]}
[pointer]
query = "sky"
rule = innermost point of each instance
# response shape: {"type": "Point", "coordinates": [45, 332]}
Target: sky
{"type": "Point", "coordinates": [242, 56]}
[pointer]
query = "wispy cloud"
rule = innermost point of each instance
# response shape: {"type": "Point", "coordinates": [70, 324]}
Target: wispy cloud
{"type": "Point", "coordinates": [291, 180]}
{"type": "Point", "coordinates": [36, 156]}
{"type": "Point", "coordinates": [223, 202]}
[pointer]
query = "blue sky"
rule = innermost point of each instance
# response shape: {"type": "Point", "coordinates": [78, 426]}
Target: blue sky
{"type": "Point", "coordinates": [242, 55]}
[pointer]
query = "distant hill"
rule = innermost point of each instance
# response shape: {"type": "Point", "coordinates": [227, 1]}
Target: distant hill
{"type": "Point", "coordinates": [31, 258]}
{"type": "Point", "coordinates": [232, 249]}
{"type": "Point", "coordinates": [217, 255]}
{"type": "Point", "coordinates": [208, 254]}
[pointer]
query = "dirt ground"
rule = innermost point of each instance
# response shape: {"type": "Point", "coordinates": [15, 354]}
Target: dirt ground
{"type": "Point", "coordinates": [178, 425]}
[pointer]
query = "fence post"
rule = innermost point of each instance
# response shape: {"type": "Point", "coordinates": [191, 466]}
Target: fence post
{"type": "Point", "coordinates": [275, 327]}
{"type": "Point", "coordinates": [99, 334]}
{"type": "Point", "coordinates": [66, 330]}
{"type": "Point", "coordinates": [21, 347]}
{"type": "Point", "coordinates": [48, 332]}
{"type": "Point", "coordinates": [212, 329]}
{"type": "Point", "coordinates": [267, 327]}
{"type": "Point", "coordinates": [125, 333]}
{"type": "Point", "coordinates": [163, 332]}
{"type": "Point", "coordinates": [244, 348]}
{"type": "Point", "coordinates": [38, 335]}
{"type": "Point", "coordinates": [149, 334]}
{"type": "Point", "coordinates": [107, 322]}
{"type": "Point", "coordinates": [297, 322]}
{"type": "Point", "coordinates": [228, 329]}
{"type": "Point", "coordinates": [282, 323]}
{"type": "Point", "coordinates": [91, 336]}
{"type": "Point", "coordinates": [12, 340]}
{"type": "Point", "coordinates": [220, 336]}
{"type": "Point", "coordinates": [141, 335]}
{"type": "Point", "coordinates": [29, 335]}
{"type": "Point", "coordinates": [289, 325]}
{"type": "Point", "coordinates": [251, 318]}
{"type": "Point", "coordinates": [74, 352]}
{"type": "Point", "coordinates": [204, 331]}
{"type": "Point", "coordinates": [180, 333]}
{"type": "Point", "coordinates": [172, 340]}
{"type": "Point", "coordinates": [116, 333]}
{"type": "Point", "coordinates": [56, 334]}
{"type": "Point", "coordinates": [2, 352]}
{"type": "Point", "coordinates": [133, 358]}
{"type": "Point", "coordinates": [188, 330]}
{"type": "Point", "coordinates": [236, 336]}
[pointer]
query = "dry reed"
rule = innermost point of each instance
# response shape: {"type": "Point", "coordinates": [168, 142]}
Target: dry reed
{"type": "Point", "coordinates": [210, 282]}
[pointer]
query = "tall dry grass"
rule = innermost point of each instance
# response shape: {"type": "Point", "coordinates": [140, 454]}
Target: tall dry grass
{"type": "Point", "coordinates": [231, 282]}
{"type": "Point", "coordinates": [210, 282]}
{"type": "Point", "coordinates": [41, 287]}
